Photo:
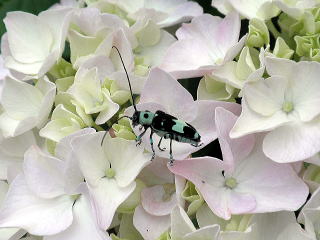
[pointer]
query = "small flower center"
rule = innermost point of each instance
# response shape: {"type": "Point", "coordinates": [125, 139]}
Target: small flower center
{"type": "Point", "coordinates": [110, 173]}
{"type": "Point", "coordinates": [287, 107]}
{"type": "Point", "coordinates": [231, 183]}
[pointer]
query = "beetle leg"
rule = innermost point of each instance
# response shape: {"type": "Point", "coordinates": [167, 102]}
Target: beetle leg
{"type": "Point", "coordinates": [151, 143]}
{"type": "Point", "coordinates": [171, 157]}
{"type": "Point", "coordinates": [139, 138]}
{"type": "Point", "coordinates": [161, 149]}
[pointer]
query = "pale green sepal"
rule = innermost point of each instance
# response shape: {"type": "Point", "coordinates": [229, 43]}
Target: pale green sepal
{"type": "Point", "coordinates": [65, 99]}
{"type": "Point", "coordinates": [127, 229]}
{"type": "Point", "coordinates": [114, 237]}
{"type": "Point", "coordinates": [87, 119]}
{"type": "Point", "coordinates": [245, 65]}
{"type": "Point", "coordinates": [63, 84]}
{"type": "Point", "coordinates": [123, 132]}
{"type": "Point", "coordinates": [282, 50]}
{"type": "Point", "coordinates": [209, 89]}
{"type": "Point", "coordinates": [258, 33]}
{"type": "Point", "coordinates": [62, 69]}
{"type": "Point", "coordinates": [164, 236]}
{"type": "Point", "coordinates": [149, 34]}
{"type": "Point", "coordinates": [312, 177]}
{"type": "Point", "coordinates": [51, 146]}
{"type": "Point", "coordinates": [192, 195]}
{"type": "Point", "coordinates": [238, 223]}
{"type": "Point", "coordinates": [62, 124]}
{"type": "Point", "coordinates": [129, 205]}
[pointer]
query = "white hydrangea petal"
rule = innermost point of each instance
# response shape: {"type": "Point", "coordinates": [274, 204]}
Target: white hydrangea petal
{"type": "Point", "coordinates": [20, 100]}
{"type": "Point", "coordinates": [127, 161]}
{"type": "Point", "coordinates": [44, 174]}
{"type": "Point", "coordinates": [108, 191]}
{"type": "Point", "coordinates": [251, 122]}
{"type": "Point", "coordinates": [91, 157]}
{"type": "Point", "coordinates": [205, 233]}
{"type": "Point", "coordinates": [266, 97]}
{"type": "Point", "coordinates": [180, 223]}
{"type": "Point", "coordinates": [29, 37]}
{"type": "Point", "coordinates": [293, 142]}
{"type": "Point", "coordinates": [84, 224]}
{"type": "Point", "coordinates": [23, 209]}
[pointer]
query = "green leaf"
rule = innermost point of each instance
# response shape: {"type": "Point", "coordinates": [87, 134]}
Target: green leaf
{"type": "Point", "coordinates": [31, 6]}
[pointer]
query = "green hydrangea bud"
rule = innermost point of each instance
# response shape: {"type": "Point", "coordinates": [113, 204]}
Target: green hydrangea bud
{"type": "Point", "coordinates": [258, 33]}
{"type": "Point", "coordinates": [62, 69]}
{"type": "Point", "coordinates": [191, 194]}
{"type": "Point", "coordinates": [308, 47]}
{"type": "Point", "coordinates": [282, 50]}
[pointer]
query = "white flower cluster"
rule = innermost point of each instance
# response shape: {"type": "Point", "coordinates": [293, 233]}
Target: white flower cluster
{"type": "Point", "coordinates": [73, 167]}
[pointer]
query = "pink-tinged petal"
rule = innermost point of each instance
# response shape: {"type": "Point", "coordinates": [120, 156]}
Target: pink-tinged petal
{"type": "Point", "coordinates": [187, 59]}
{"type": "Point", "coordinates": [180, 183]}
{"type": "Point", "coordinates": [233, 150]}
{"type": "Point", "coordinates": [84, 224]}
{"type": "Point", "coordinates": [162, 88]}
{"type": "Point", "coordinates": [227, 33]}
{"type": "Point", "coordinates": [22, 208]}
{"type": "Point", "coordinates": [241, 203]}
{"type": "Point", "coordinates": [156, 201]}
{"type": "Point", "coordinates": [202, 44]}
{"type": "Point", "coordinates": [150, 227]}
{"type": "Point", "coordinates": [206, 174]}
{"type": "Point", "coordinates": [182, 13]}
{"type": "Point", "coordinates": [294, 142]}
{"type": "Point", "coordinates": [44, 174]}
{"type": "Point", "coordinates": [108, 191]}
{"type": "Point", "coordinates": [275, 186]}
{"type": "Point", "coordinates": [157, 173]}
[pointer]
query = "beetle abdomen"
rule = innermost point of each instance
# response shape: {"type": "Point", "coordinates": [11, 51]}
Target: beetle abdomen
{"type": "Point", "coordinates": [168, 126]}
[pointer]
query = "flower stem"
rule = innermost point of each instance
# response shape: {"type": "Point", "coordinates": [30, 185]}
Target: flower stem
{"type": "Point", "coordinates": [273, 29]}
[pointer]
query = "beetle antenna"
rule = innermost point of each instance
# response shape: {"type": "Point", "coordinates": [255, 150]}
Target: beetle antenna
{"type": "Point", "coordinates": [134, 105]}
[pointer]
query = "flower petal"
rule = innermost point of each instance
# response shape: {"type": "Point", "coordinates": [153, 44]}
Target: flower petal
{"type": "Point", "coordinates": [23, 209]}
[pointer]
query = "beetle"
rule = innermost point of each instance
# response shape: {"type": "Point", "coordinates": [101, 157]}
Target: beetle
{"type": "Point", "coordinates": [164, 125]}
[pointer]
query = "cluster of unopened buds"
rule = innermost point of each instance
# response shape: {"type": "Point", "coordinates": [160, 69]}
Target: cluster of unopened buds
{"type": "Point", "coordinates": [100, 141]}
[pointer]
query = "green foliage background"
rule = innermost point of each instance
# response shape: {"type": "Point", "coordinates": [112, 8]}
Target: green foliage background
{"type": "Point", "coordinates": [36, 6]}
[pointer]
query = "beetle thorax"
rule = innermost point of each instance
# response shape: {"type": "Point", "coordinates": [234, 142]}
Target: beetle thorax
{"type": "Point", "coordinates": [145, 118]}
